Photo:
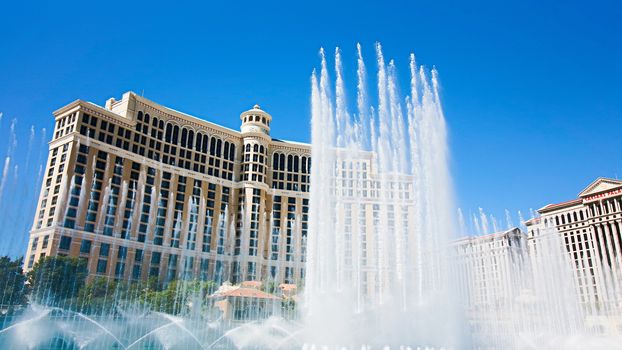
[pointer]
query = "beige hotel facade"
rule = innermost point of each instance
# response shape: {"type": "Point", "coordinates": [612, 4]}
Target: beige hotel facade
{"type": "Point", "coordinates": [590, 229]}
{"type": "Point", "coordinates": [140, 190]}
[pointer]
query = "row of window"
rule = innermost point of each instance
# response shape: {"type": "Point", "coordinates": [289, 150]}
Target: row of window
{"type": "Point", "coordinates": [157, 258]}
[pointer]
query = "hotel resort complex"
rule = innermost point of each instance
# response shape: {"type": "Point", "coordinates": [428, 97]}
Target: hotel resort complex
{"type": "Point", "coordinates": [140, 190]}
{"type": "Point", "coordinates": [143, 190]}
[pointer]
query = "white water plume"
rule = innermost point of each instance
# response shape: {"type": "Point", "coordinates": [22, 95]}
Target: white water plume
{"type": "Point", "coordinates": [5, 174]}
{"type": "Point", "coordinates": [395, 172]}
{"type": "Point", "coordinates": [508, 220]}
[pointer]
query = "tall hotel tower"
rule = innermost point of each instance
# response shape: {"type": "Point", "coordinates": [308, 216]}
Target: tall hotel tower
{"type": "Point", "coordinates": [140, 190]}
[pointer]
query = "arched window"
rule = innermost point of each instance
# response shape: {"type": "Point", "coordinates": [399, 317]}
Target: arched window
{"type": "Point", "coordinates": [212, 146]}
{"type": "Point", "coordinates": [309, 165]}
{"type": "Point", "coordinates": [232, 152]}
{"type": "Point", "coordinates": [248, 147]}
{"type": "Point", "coordinates": [290, 162]}
{"type": "Point", "coordinates": [281, 161]}
{"type": "Point", "coordinates": [303, 162]}
{"type": "Point", "coordinates": [263, 120]}
{"type": "Point", "coordinates": [581, 215]}
{"type": "Point", "coordinates": [226, 150]}
{"type": "Point", "coordinates": [261, 149]}
{"type": "Point", "coordinates": [169, 132]}
{"type": "Point", "coordinates": [199, 141]}
{"type": "Point", "coordinates": [275, 161]}
{"type": "Point", "coordinates": [190, 138]}
{"type": "Point", "coordinates": [296, 160]}
{"type": "Point", "coordinates": [255, 148]}
{"type": "Point", "coordinates": [154, 122]}
{"type": "Point", "coordinates": [575, 216]}
{"type": "Point", "coordinates": [140, 116]}
{"type": "Point", "coordinates": [184, 137]}
{"type": "Point", "coordinates": [175, 134]}
{"type": "Point", "coordinates": [147, 118]}
{"type": "Point", "coordinates": [218, 147]}
{"type": "Point", "coordinates": [205, 143]}
{"type": "Point", "coordinates": [161, 124]}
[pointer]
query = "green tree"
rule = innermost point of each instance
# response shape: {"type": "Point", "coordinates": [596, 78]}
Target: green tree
{"type": "Point", "coordinates": [97, 295]}
{"type": "Point", "coordinates": [56, 279]}
{"type": "Point", "coordinates": [13, 290]}
{"type": "Point", "coordinates": [270, 286]}
{"type": "Point", "coordinates": [179, 296]}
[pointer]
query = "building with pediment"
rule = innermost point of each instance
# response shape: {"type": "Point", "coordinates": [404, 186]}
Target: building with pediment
{"type": "Point", "coordinates": [139, 189]}
{"type": "Point", "coordinates": [590, 228]}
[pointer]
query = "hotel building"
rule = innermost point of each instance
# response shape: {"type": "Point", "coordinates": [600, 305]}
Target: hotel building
{"type": "Point", "coordinates": [140, 190]}
{"type": "Point", "coordinates": [590, 229]}
{"type": "Point", "coordinates": [485, 267]}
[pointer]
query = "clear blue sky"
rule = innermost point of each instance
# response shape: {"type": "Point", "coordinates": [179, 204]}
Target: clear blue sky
{"type": "Point", "coordinates": [531, 89]}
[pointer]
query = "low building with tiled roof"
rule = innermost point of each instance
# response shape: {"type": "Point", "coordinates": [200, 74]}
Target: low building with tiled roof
{"type": "Point", "coordinates": [244, 302]}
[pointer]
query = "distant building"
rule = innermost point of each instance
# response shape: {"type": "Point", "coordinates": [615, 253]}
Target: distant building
{"type": "Point", "coordinates": [139, 190]}
{"type": "Point", "coordinates": [245, 302]}
{"type": "Point", "coordinates": [590, 227]}
{"type": "Point", "coordinates": [485, 265]}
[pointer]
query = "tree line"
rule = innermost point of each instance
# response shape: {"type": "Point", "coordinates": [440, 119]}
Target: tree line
{"type": "Point", "coordinates": [61, 281]}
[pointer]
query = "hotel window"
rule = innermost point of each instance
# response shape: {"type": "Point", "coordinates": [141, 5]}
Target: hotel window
{"type": "Point", "coordinates": [193, 216]}
{"type": "Point", "coordinates": [178, 212]}
{"type": "Point", "coordinates": [119, 270]}
{"type": "Point", "coordinates": [136, 271]}
{"type": "Point", "coordinates": [156, 257]}
{"type": "Point", "coordinates": [276, 227]}
{"type": "Point", "coordinates": [204, 269]}
{"type": "Point", "coordinates": [31, 261]}
{"type": "Point", "coordinates": [251, 271]}
{"type": "Point", "coordinates": [101, 266]}
{"type": "Point", "coordinates": [188, 268]}
{"type": "Point", "coordinates": [172, 267]}
{"type": "Point", "coordinates": [85, 246]}
{"type": "Point", "coordinates": [218, 272]}
{"type": "Point", "coordinates": [104, 249]}
{"type": "Point", "coordinates": [207, 230]}
{"type": "Point", "coordinates": [65, 243]}
{"type": "Point", "coordinates": [235, 273]}
{"type": "Point", "coordinates": [122, 253]}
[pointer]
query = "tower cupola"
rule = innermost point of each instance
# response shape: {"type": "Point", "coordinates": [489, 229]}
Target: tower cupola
{"type": "Point", "coordinates": [255, 120]}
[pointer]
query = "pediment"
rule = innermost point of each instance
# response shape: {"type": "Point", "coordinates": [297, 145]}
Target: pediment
{"type": "Point", "coordinates": [600, 185]}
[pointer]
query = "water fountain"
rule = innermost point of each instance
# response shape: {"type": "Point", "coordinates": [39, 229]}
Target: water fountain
{"type": "Point", "coordinates": [382, 269]}
{"type": "Point", "coordinates": [376, 279]}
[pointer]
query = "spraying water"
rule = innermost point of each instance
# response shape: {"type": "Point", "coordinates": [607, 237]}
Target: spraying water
{"type": "Point", "coordinates": [380, 213]}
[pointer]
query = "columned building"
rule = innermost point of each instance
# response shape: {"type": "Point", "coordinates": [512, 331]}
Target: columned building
{"type": "Point", "coordinates": [138, 190]}
{"type": "Point", "coordinates": [590, 229]}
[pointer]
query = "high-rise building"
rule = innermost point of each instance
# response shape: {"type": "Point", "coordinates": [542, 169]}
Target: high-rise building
{"type": "Point", "coordinates": [590, 228]}
{"type": "Point", "coordinates": [139, 190]}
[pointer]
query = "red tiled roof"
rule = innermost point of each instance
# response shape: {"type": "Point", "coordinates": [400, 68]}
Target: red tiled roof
{"type": "Point", "coordinates": [560, 205]}
{"type": "Point", "coordinates": [251, 284]}
{"type": "Point", "coordinates": [246, 293]}
{"type": "Point", "coordinates": [288, 286]}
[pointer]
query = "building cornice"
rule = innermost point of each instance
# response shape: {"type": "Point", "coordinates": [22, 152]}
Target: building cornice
{"type": "Point", "coordinates": [552, 207]}
{"type": "Point", "coordinates": [187, 119]}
